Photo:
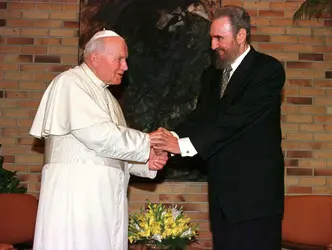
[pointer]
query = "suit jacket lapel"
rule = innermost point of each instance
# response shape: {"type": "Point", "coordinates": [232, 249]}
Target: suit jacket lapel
{"type": "Point", "coordinates": [237, 81]}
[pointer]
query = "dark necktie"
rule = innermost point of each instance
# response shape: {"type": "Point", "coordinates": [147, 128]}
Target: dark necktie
{"type": "Point", "coordinates": [225, 79]}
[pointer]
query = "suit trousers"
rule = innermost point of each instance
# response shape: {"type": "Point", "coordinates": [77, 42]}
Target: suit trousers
{"type": "Point", "coordinates": [254, 234]}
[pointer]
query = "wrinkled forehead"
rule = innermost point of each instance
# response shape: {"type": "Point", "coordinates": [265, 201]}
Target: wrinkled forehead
{"type": "Point", "coordinates": [220, 26]}
{"type": "Point", "coordinates": [116, 46]}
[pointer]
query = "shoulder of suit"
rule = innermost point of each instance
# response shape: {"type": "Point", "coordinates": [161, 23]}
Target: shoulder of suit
{"type": "Point", "coordinates": [269, 60]}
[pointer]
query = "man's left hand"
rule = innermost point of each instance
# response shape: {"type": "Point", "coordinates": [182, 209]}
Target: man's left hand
{"type": "Point", "coordinates": [157, 161]}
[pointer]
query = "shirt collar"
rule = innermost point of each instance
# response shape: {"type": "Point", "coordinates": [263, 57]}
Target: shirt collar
{"type": "Point", "coordinates": [93, 77]}
{"type": "Point", "coordinates": [238, 60]}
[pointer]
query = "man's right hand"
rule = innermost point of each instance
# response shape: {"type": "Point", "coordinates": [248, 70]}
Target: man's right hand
{"type": "Point", "coordinates": [162, 139]}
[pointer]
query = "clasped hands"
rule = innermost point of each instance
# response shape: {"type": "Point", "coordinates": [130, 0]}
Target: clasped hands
{"type": "Point", "coordinates": [162, 141]}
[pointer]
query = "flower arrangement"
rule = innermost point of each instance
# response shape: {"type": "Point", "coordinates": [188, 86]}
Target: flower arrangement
{"type": "Point", "coordinates": [161, 226]}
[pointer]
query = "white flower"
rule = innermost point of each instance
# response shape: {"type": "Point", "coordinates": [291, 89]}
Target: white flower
{"type": "Point", "coordinates": [175, 212]}
{"type": "Point", "coordinates": [156, 237]}
{"type": "Point", "coordinates": [186, 233]}
{"type": "Point", "coordinates": [138, 227]}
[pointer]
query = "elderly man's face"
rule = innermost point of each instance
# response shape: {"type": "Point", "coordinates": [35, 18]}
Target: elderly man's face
{"type": "Point", "coordinates": [224, 42]}
{"type": "Point", "coordinates": [111, 64]}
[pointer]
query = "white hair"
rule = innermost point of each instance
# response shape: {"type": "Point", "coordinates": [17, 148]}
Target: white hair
{"type": "Point", "coordinates": [92, 46]}
{"type": "Point", "coordinates": [96, 43]}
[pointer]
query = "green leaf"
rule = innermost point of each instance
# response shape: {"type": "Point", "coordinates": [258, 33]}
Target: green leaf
{"type": "Point", "coordinates": [313, 9]}
{"type": "Point", "coordinates": [9, 181]}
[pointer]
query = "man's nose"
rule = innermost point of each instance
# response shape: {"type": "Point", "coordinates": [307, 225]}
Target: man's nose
{"type": "Point", "coordinates": [214, 44]}
{"type": "Point", "coordinates": [124, 66]}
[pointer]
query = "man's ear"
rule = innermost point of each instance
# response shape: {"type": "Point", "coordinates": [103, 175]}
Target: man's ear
{"type": "Point", "coordinates": [241, 36]}
{"type": "Point", "coordinates": [94, 58]}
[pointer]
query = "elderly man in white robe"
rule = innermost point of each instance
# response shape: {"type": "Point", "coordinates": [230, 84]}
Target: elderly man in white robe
{"type": "Point", "coordinates": [89, 154]}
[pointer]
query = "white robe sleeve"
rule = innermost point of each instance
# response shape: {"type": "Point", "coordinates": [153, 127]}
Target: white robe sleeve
{"type": "Point", "coordinates": [141, 170]}
{"type": "Point", "coordinates": [110, 140]}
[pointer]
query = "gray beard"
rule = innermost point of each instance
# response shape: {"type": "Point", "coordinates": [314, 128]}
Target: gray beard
{"type": "Point", "coordinates": [221, 63]}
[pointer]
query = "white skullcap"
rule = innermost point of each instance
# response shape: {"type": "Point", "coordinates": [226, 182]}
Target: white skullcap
{"type": "Point", "coordinates": [103, 33]}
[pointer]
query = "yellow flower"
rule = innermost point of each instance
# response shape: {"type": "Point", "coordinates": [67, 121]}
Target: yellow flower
{"type": "Point", "coordinates": [145, 233]}
{"type": "Point", "coordinates": [158, 223]}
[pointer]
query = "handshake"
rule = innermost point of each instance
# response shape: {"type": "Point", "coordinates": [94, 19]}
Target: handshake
{"type": "Point", "coordinates": [162, 141]}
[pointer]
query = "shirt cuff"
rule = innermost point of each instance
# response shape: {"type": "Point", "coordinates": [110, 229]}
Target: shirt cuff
{"type": "Point", "coordinates": [186, 147]}
{"type": "Point", "coordinates": [174, 134]}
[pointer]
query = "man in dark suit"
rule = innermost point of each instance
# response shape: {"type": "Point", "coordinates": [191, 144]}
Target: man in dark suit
{"type": "Point", "coordinates": [236, 130]}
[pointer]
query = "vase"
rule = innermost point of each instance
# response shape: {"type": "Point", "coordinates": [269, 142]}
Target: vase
{"type": "Point", "coordinates": [150, 246]}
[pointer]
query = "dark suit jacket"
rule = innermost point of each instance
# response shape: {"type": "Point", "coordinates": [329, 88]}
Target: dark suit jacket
{"type": "Point", "coordinates": [239, 138]}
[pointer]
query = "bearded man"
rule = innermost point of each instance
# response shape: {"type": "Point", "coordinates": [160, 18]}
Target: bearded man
{"type": "Point", "coordinates": [89, 154]}
{"type": "Point", "coordinates": [236, 130]}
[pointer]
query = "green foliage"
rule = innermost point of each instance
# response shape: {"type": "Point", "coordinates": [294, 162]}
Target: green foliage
{"type": "Point", "coordinates": [9, 182]}
{"type": "Point", "coordinates": [313, 9]}
{"type": "Point", "coordinates": [164, 76]}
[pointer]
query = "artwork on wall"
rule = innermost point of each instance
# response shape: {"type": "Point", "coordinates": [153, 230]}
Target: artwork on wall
{"type": "Point", "coordinates": [169, 47]}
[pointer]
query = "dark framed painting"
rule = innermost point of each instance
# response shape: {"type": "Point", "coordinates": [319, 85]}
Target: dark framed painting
{"type": "Point", "coordinates": [169, 47]}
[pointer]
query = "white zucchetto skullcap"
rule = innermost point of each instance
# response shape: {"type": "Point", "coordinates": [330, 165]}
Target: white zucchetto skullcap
{"type": "Point", "coordinates": [103, 33]}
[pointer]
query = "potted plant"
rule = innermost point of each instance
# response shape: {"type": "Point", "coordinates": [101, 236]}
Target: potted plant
{"type": "Point", "coordinates": [9, 181]}
{"type": "Point", "coordinates": [313, 9]}
{"type": "Point", "coordinates": [161, 227]}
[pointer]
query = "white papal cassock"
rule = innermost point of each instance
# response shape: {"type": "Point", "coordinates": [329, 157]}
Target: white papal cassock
{"type": "Point", "coordinates": [89, 156]}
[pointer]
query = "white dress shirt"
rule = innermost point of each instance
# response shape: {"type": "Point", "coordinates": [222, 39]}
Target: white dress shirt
{"type": "Point", "coordinates": [186, 147]}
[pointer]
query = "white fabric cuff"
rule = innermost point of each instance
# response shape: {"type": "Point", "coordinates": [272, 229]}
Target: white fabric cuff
{"type": "Point", "coordinates": [141, 170]}
{"type": "Point", "coordinates": [186, 147]}
{"type": "Point", "coordinates": [174, 134]}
